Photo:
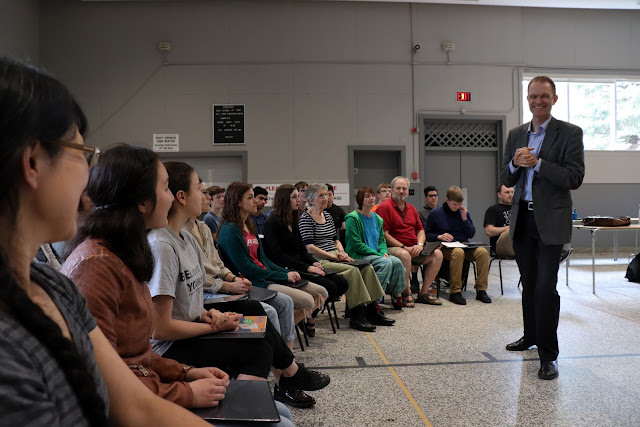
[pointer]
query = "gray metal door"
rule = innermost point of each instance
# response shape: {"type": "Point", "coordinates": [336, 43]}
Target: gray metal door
{"type": "Point", "coordinates": [372, 167]}
{"type": "Point", "coordinates": [463, 153]}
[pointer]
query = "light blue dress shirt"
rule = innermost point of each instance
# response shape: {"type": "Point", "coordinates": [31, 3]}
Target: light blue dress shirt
{"type": "Point", "coordinates": [535, 142]}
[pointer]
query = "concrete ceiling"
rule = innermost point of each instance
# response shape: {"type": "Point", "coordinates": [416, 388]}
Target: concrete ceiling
{"type": "Point", "coordinates": [564, 4]}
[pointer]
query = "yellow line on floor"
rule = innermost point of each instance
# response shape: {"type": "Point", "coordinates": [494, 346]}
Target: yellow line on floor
{"type": "Point", "coordinates": [399, 381]}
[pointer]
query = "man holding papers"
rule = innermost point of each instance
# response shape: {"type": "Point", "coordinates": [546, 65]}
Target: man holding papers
{"type": "Point", "coordinates": [452, 223]}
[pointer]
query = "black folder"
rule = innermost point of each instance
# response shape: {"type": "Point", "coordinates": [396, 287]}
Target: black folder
{"type": "Point", "coordinates": [261, 294]}
{"type": "Point", "coordinates": [360, 263]}
{"type": "Point", "coordinates": [245, 401]}
{"type": "Point", "coordinates": [429, 247]}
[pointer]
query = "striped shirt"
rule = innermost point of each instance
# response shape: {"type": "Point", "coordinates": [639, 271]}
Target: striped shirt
{"type": "Point", "coordinates": [321, 235]}
{"type": "Point", "coordinates": [33, 389]}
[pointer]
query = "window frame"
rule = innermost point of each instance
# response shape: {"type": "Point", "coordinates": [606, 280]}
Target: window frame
{"type": "Point", "coordinates": [581, 78]}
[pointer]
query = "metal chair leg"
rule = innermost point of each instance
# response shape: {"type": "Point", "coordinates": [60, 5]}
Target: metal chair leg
{"type": "Point", "coordinates": [500, 268]}
{"type": "Point", "coordinates": [299, 338]}
{"type": "Point", "coordinates": [326, 305]}
{"type": "Point", "coordinates": [335, 314]}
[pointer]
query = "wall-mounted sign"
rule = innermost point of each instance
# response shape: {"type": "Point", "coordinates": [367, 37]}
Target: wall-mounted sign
{"type": "Point", "coordinates": [228, 124]}
{"type": "Point", "coordinates": [464, 96]}
{"type": "Point", "coordinates": [166, 142]}
{"type": "Point", "coordinates": [341, 194]}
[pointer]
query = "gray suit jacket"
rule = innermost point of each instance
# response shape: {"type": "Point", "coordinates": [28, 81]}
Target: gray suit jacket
{"type": "Point", "coordinates": [561, 170]}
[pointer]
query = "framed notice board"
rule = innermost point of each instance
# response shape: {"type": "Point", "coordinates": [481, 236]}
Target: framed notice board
{"type": "Point", "coordinates": [228, 124]}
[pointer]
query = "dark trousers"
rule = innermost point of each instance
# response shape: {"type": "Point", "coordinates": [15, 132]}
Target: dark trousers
{"type": "Point", "coordinates": [538, 264]}
{"type": "Point", "coordinates": [249, 356]}
{"type": "Point", "coordinates": [335, 285]}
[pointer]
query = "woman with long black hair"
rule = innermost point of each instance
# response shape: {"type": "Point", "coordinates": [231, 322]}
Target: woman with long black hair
{"type": "Point", "coordinates": [57, 366]}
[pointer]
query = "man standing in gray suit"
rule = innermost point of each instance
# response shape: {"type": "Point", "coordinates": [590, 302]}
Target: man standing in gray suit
{"type": "Point", "coordinates": [544, 161]}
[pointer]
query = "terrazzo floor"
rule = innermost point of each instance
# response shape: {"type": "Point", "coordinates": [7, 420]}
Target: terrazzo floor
{"type": "Point", "coordinates": [447, 365]}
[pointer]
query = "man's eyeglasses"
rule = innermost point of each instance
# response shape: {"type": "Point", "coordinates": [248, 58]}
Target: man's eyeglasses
{"type": "Point", "coordinates": [432, 195]}
{"type": "Point", "coordinates": [91, 154]}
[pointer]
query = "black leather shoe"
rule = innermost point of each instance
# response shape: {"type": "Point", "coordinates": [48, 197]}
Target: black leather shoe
{"type": "Point", "coordinates": [482, 296]}
{"type": "Point", "coordinates": [520, 345]}
{"type": "Point", "coordinates": [362, 325]}
{"type": "Point", "coordinates": [310, 328]}
{"type": "Point", "coordinates": [548, 370]}
{"type": "Point", "coordinates": [305, 379]}
{"type": "Point", "coordinates": [457, 298]}
{"type": "Point", "coordinates": [380, 319]}
{"type": "Point", "coordinates": [295, 398]}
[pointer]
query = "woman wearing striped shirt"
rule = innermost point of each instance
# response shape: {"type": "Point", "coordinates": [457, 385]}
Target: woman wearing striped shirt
{"type": "Point", "coordinates": [319, 236]}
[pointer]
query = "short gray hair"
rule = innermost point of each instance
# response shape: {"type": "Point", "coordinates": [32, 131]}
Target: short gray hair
{"type": "Point", "coordinates": [394, 180]}
{"type": "Point", "coordinates": [313, 190]}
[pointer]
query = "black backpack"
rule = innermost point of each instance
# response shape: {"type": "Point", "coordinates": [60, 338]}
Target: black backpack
{"type": "Point", "coordinates": [633, 271]}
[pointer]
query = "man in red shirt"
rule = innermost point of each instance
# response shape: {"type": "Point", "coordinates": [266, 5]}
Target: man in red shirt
{"type": "Point", "coordinates": [405, 239]}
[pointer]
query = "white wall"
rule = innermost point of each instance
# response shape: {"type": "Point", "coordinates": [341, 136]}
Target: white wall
{"type": "Point", "coordinates": [317, 77]}
{"type": "Point", "coordinates": [19, 29]}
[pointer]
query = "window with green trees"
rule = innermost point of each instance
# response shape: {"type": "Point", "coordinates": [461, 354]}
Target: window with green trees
{"type": "Point", "coordinates": [607, 110]}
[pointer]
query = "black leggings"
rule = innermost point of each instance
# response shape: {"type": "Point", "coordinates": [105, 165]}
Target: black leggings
{"type": "Point", "coordinates": [335, 285]}
{"type": "Point", "coordinates": [236, 356]}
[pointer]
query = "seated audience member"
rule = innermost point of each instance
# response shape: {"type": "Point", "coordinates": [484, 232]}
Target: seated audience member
{"type": "Point", "coordinates": [336, 212]}
{"type": "Point", "coordinates": [365, 240]}
{"type": "Point", "coordinates": [383, 193]}
{"type": "Point", "coordinates": [261, 196]}
{"type": "Point", "coordinates": [321, 240]}
{"type": "Point", "coordinates": [283, 245]}
{"type": "Point", "coordinates": [102, 258]}
{"type": "Point", "coordinates": [220, 279]}
{"type": "Point", "coordinates": [430, 202]}
{"type": "Point", "coordinates": [452, 223]}
{"type": "Point", "coordinates": [496, 223]}
{"type": "Point", "coordinates": [238, 240]}
{"type": "Point", "coordinates": [213, 218]}
{"type": "Point", "coordinates": [57, 366]}
{"type": "Point", "coordinates": [176, 291]}
{"type": "Point", "coordinates": [405, 239]}
{"type": "Point", "coordinates": [301, 186]}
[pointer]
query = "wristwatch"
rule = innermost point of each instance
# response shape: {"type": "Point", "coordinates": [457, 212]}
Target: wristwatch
{"type": "Point", "coordinates": [420, 244]}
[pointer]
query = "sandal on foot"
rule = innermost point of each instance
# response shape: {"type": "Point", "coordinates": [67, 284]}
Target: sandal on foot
{"type": "Point", "coordinates": [407, 301]}
{"type": "Point", "coordinates": [428, 299]}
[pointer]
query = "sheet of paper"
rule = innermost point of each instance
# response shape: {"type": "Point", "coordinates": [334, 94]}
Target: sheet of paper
{"type": "Point", "coordinates": [453, 245]}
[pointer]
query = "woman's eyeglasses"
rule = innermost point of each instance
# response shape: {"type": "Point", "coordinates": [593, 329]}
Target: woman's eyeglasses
{"type": "Point", "coordinates": [91, 154]}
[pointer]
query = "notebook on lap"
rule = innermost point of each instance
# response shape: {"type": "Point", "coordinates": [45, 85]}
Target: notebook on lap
{"type": "Point", "coordinates": [245, 401]}
{"type": "Point", "coordinates": [429, 247]}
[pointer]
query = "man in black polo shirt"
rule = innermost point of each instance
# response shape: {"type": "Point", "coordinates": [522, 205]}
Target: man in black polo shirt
{"type": "Point", "coordinates": [336, 212]}
{"type": "Point", "coordinates": [497, 220]}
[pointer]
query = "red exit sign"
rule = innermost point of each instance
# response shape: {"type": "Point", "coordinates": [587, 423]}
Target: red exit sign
{"type": "Point", "coordinates": [464, 96]}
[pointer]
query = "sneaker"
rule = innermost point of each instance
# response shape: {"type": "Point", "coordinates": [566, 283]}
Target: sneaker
{"type": "Point", "coordinates": [396, 302]}
{"type": "Point", "coordinates": [457, 298]}
{"type": "Point", "coordinates": [482, 296]}
{"type": "Point", "coordinates": [305, 380]}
